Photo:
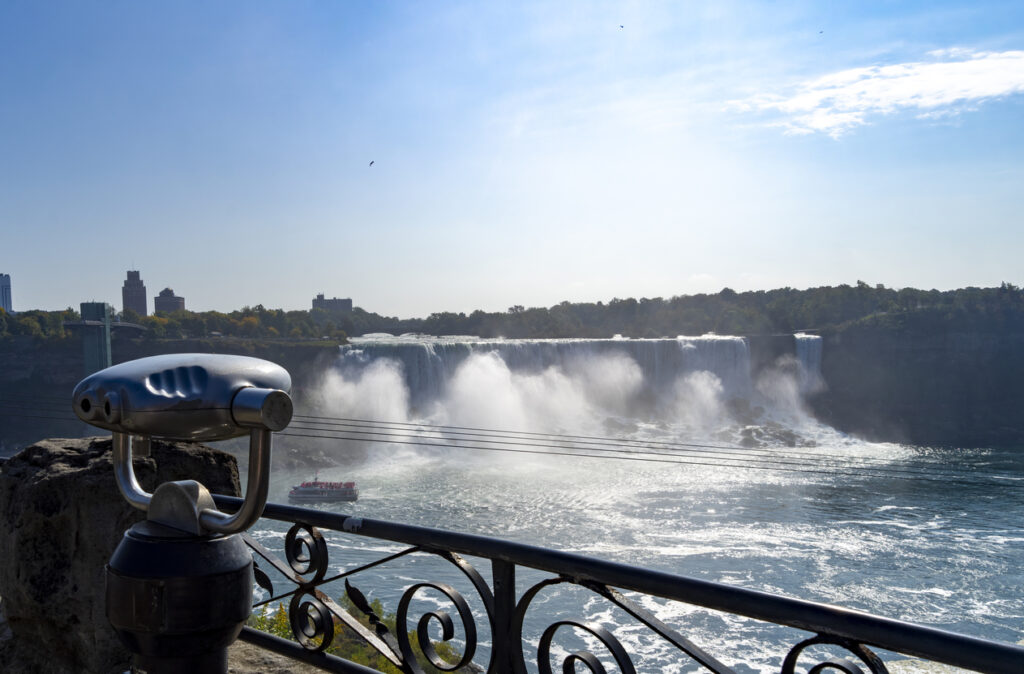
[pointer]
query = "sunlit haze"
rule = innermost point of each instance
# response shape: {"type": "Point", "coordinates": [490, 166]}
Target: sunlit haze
{"type": "Point", "coordinates": [522, 153]}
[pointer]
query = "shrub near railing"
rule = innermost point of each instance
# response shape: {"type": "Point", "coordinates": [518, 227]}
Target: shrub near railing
{"type": "Point", "coordinates": [350, 646]}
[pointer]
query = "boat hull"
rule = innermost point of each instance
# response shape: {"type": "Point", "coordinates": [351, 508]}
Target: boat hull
{"type": "Point", "coordinates": [323, 498]}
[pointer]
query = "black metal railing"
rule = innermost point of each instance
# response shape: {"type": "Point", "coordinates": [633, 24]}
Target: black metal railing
{"type": "Point", "coordinates": [851, 636]}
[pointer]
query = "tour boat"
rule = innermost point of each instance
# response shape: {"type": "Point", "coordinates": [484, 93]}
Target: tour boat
{"type": "Point", "coordinates": [322, 491]}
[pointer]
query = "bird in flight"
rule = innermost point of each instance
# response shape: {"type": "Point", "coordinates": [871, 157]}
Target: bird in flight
{"type": "Point", "coordinates": [621, 26]}
{"type": "Point", "coordinates": [371, 163]}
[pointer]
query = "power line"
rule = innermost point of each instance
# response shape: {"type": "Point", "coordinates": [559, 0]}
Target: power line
{"type": "Point", "coordinates": [35, 407]}
{"type": "Point", "coordinates": [774, 453]}
{"type": "Point", "coordinates": [623, 449]}
{"type": "Point", "coordinates": [599, 447]}
{"type": "Point", "coordinates": [37, 397]}
{"type": "Point", "coordinates": [485, 432]}
{"type": "Point", "coordinates": [40, 416]}
{"type": "Point", "coordinates": [742, 463]}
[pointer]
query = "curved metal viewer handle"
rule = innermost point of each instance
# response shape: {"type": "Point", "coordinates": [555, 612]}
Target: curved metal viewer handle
{"type": "Point", "coordinates": [260, 410]}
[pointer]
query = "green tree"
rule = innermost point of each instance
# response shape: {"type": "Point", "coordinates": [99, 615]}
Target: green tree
{"type": "Point", "coordinates": [348, 644]}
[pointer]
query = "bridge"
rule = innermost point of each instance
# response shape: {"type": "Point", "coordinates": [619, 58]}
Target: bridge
{"type": "Point", "coordinates": [114, 325]}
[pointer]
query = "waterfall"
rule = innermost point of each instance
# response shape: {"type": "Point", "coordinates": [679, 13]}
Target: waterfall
{"type": "Point", "coordinates": [808, 356]}
{"type": "Point", "coordinates": [428, 364]}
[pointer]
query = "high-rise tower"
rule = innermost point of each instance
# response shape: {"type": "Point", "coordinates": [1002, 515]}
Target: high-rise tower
{"type": "Point", "coordinates": [5, 292]}
{"type": "Point", "coordinates": [133, 294]}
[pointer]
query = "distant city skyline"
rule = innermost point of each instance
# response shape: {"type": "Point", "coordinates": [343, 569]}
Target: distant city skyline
{"type": "Point", "coordinates": [451, 157]}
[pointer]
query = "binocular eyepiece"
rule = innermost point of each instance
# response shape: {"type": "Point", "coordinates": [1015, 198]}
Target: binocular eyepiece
{"type": "Point", "coordinates": [197, 397]}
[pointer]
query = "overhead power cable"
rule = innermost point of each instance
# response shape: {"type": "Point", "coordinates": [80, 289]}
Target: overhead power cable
{"type": "Point", "coordinates": [36, 408]}
{"type": "Point", "coordinates": [53, 400]}
{"type": "Point", "coordinates": [604, 448]}
{"type": "Point", "coordinates": [22, 415]}
{"type": "Point", "coordinates": [773, 452]}
{"type": "Point", "coordinates": [943, 478]}
{"type": "Point", "coordinates": [485, 432]}
{"type": "Point", "coordinates": [581, 446]}
{"type": "Point", "coordinates": [479, 432]}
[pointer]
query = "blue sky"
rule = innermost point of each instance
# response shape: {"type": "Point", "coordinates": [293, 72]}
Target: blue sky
{"type": "Point", "coordinates": [524, 153]}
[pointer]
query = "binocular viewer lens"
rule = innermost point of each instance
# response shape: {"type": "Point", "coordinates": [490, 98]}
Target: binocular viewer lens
{"type": "Point", "coordinates": [197, 397]}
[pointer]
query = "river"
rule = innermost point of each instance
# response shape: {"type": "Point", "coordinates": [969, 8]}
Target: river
{"type": "Point", "coordinates": [792, 506]}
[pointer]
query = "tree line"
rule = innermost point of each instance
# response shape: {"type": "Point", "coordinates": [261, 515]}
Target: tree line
{"type": "Point", "coordinates": [784, 310]}
{"type": "Point", "coordinates": [780, 311]}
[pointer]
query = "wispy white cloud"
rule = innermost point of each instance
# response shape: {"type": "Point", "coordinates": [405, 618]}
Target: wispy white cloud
{"type": "Point", "coordinates": [950, 82]}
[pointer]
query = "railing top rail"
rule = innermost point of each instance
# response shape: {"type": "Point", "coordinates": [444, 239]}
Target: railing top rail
{"type": "Point", "coordinates": [895, 635]}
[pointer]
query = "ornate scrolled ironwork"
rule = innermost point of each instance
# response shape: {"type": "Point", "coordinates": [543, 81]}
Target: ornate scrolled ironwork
{"type": "Point", "coordinates": [315, 616]}
{"type": "Point", "coordinates": [447, 628]}
{"type": "Point", "coordinates": [311, 621]}
{"type": "Point", "coordinates": [845, 665]}
{"type": "Point", "coordinates": [306, 551]}
{"type": "Point", "coordinates": [590, 660]}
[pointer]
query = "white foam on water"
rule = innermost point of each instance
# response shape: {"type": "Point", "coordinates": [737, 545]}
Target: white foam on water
{"type": "Point", "coordinates": [886, 544]}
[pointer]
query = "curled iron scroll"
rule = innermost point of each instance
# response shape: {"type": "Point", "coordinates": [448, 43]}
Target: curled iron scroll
{"type": "Point", "coordinates": [447, 628]}
{"type": "Point", "coordinates": [306, 550]}
{"type": "Point", "coordinates": [844, 665]}
{"type": "Point", "coordinates": [311, 621]}
{"type": "Point", "coordinates": [587, 658]}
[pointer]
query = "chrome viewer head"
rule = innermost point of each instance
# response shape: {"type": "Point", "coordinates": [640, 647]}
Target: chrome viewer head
{"type": "Point", "coordinates": [193, 396]}
{"type": "Point", "coordinates": [196, 397]}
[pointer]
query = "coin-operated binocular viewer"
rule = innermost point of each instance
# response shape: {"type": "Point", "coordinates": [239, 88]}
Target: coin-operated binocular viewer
{"type": "Point", "coordinates": [179, 585]}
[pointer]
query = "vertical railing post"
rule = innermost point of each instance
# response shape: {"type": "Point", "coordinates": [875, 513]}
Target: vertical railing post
{"type": "Point", "coordinates": [506, 654]}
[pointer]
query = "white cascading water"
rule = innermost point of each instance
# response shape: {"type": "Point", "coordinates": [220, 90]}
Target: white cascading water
{"type": "Point", "coordinates": [697, 385]}
{"type": "Point", "coordinates": [429, 364]}
{"type": "Point", "coordinates": [807, 512]}
{"type": "Point", "coordinates": [524, 382]}
{"type": "Point", "coordinates": [808, 355]}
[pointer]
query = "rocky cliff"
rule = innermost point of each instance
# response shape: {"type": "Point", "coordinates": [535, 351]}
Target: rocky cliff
{"type": "Point", "coordinates": [936, 383]}
{"type": "Point", "coordinates": [61, 516]}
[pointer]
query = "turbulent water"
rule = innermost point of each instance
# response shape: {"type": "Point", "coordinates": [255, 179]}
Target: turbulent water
{"type": "Point", "coordinates": [792, 507]}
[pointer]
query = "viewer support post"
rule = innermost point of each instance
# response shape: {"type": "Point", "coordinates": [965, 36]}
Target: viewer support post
{"type": "Point", "coordinates": [179, 586]}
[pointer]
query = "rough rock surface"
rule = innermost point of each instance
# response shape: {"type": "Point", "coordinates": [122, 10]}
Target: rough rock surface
{"type": "Point", "coordinates": [244, 658]}
{"type": "Point", "coordinates": [61, 516]}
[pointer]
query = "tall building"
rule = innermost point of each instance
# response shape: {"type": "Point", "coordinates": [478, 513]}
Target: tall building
{"type": "Point", "coordinates": [133, 294]}
{"type": "Point", "coordinates": [334, 304]}
{"type": "Point", "coordinates": [167, 302]}
{"type": "Point", "coordinates": [96, 335]}
{"type": "Point", "coordinates": [5, 293]}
